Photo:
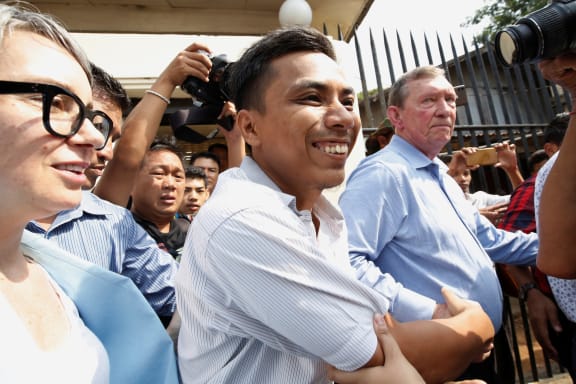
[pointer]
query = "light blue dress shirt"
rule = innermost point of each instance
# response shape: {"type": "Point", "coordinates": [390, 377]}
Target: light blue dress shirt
{"type": "Point", "coordinates": [411, 232]}
{"type": "Point", "coordinates": [107, 235]}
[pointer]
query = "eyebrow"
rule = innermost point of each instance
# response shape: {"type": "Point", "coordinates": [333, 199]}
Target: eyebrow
{"type": "Point", "coordinates": [320, 86]}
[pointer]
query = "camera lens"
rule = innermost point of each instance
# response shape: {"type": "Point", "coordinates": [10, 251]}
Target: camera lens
{"type": "Point", "coordinates": [544, 33]}
{"type": "Point", "coordinates": [516, 44]}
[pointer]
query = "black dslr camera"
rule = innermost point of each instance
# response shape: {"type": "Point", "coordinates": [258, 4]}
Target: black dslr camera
{"type": "Point", "coordinates": [542, 34]}
{"type": "Point", "coordinates": [214, 91]}
{"type": "Point", "coordinates": [209, 98]}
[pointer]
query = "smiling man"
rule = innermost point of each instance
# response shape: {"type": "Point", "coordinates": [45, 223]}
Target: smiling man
{"type": "Point", "coordinates": [110, 97]}
{"type": "Point", "coordinates": [265, 289]}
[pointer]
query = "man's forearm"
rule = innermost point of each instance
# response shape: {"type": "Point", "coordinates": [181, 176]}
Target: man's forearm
{"type": "Point", "coordinates": [442, 349]}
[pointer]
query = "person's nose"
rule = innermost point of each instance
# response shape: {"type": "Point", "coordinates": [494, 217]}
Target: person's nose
{"type": "Point", "coordinates": [444, 107]}
{"type": "Point", "coordinates": [107, 152]}
{"type": "Point", "coordinates": [169, 182]}
{"type": "Point", "coordinates": [340, 116]}
{"type": "Point", "coordinates": [88, 135]}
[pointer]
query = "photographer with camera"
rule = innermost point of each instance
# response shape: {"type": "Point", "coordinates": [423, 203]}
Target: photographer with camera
{"type": "Point", "coordinates": [141, 125]}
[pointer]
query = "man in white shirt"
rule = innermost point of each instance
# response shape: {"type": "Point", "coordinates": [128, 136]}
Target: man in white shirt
{"type": "Point", "coordinates": [265, 289]}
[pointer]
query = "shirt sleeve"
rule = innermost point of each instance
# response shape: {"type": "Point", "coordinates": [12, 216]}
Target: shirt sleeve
{"type": "Point", "coordinates": [373, 218]}
{"type": "Point", "coordinates": [151, 269]}
{"type": "Point", "coordinates": [290, 294]}
{"type": "Point", "coordinates": [516, 248]}
{"type": "Point", "coordinates": [520, 214]}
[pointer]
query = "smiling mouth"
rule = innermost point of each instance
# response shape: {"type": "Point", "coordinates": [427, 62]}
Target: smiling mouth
{"type": "Point", "coordinates": [333, 149]}
{"type": "Point", "coordinates": [77, 169]}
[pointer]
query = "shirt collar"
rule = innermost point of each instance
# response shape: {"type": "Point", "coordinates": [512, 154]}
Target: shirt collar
{"type": "Point", "coordinates": [254, 173]}
{"type": "Point", "coordinates": [90, 205]}
{"type": "Point", "coordinates": [414, 156]}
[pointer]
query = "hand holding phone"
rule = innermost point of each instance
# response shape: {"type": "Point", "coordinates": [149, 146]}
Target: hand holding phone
{"type": "Point", "coordinates": [482, 156]}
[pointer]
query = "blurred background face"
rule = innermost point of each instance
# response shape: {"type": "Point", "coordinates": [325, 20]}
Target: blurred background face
{"type": "Point", "coordinates": [159, 186]}
{"type": "Point", "coordinates": [103, 156]}
{"type": "Point", "coordinates": [195, 195]}
{"type": "Point", "coordinates": [211, 170]}
{"type": "Point", "coordinates": [40, 174]}
{"type": "Point", "coordinates": [222, 154]}
{"type": "Point", "coordinates": [463, 177]}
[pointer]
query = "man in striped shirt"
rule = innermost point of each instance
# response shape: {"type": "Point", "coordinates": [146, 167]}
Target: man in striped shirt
{"type": "Point", "coordinates": [265, 289]}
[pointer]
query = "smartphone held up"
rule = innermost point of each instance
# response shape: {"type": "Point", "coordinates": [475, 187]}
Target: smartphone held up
{"type": "Point", "coordinates": [482, 156]}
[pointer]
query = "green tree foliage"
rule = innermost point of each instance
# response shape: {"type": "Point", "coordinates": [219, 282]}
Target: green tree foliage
{"type": "Point", "coordinates": [502, 13]}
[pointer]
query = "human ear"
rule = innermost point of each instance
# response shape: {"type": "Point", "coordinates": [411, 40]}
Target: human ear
{"type": "Point", "coordinates": [394, 116]}
{"type": "Point", "coordinates": [246, 121]}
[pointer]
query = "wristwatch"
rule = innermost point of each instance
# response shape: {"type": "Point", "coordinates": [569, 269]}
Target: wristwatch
{"type": "Point", "coordinates": [525, 288]}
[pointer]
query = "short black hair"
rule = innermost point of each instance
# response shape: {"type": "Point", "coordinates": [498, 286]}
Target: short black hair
{"type": "Point", "coordinates": [249, 75]}
{"type": "Point", "coordinates": [214, 146]}
{"type": "Point", "coordinates": [110, 89]}
{"type": "Point", "coordinates": [535, 158]}
{"type": "Point", "coordinates": [162, 145]}
{"type": "Point", "coordinates": [556, 130]}
{"type": "Point", "coordinates": [196, 173]}
{"type": "Point", "coordinates": [206, 155]}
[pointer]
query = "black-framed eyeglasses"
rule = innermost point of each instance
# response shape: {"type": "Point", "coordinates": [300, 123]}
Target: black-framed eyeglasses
{"type": "Point", "coordinates": [63, 112]}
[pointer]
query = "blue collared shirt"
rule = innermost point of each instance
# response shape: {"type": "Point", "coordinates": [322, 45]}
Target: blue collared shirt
{"type": "Point", "coordinates": [411, 232]}
{"type": "Point", "coordinates": [107, 235]}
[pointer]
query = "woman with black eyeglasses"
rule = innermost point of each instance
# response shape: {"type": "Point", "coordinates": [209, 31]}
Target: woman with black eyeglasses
{"type": "Point", "coordinates": [48, 135]}
{"type": "Point", "coordinates": [54, 326]}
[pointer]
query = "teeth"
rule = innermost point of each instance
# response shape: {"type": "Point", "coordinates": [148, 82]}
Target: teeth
{"type": "Point", "coordinates": [334, 148]}
{"type": "Point", "coordinates": [72, 168]}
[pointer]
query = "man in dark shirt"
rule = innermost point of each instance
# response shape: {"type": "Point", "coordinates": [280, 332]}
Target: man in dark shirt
{"type": "Point", "coordinates": [156, 196]}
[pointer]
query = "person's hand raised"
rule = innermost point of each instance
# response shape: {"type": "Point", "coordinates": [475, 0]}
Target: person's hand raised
{"type": "Point", "coordinates": [561, 70]}
{"type": "Point", "coordinates": [192, 61]}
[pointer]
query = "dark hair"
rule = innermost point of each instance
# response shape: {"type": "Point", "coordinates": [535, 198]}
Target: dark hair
{"type": "Point", "coordinates": [214, 146]}
{"type": "Point", "coordinates": [251, 73]}
{"type": "Point", "coordinates": [160, 145]}
{"type": "Point", "coordinates": [445, 157]}
{"type": "Point", "coordinates": [206, 155]}
{"type": "Point", "coordinates": [556, 129]}
{"type": "Point", "coordinates": [384, 129]}
{"type": "Point", "coordinates": [196, 173]}
{"type": "Point", "coordinates": [535, 158]}
{"type": "Point", "coordinates": [110, 89]}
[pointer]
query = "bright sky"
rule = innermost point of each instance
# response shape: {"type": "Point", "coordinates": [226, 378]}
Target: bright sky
{"type": "Point", "coordinates": [420, 15]}
{"type": "Point", "coordinates": [417, 16]}
{"type": "Point", "coordinates": [146, 56]}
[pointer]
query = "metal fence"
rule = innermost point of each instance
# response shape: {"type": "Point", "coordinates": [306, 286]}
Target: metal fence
{"type": "Point", "coordinates": [500, 104]}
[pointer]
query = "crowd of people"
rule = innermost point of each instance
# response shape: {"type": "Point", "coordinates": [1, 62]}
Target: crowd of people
{"type": "Point", "coordinates": [122, 264]}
